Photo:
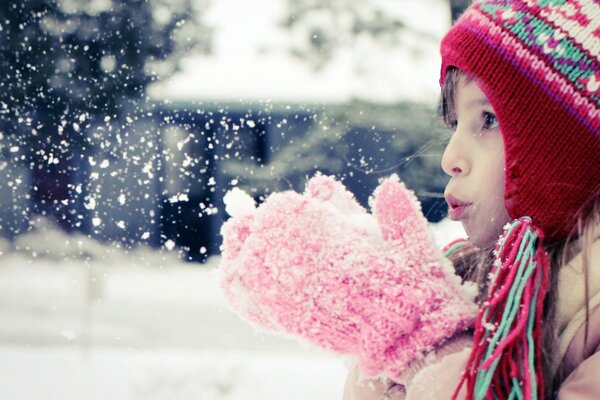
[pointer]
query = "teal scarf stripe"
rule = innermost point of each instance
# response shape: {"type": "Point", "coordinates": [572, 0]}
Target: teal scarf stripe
{"type": "Point", "coordinates": [525, 262]}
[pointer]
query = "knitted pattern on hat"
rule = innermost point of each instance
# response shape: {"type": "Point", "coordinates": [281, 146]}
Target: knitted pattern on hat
{"type": "Point", "coordinates": [319, 267]}
{"type": "Point", "coordinates": [537, 61]}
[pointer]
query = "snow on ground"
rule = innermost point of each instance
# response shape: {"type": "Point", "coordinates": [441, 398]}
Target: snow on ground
{"type": "Point", "coordinates": [114, 373]}
{"type": "Point", "coordinates": [81, 320]}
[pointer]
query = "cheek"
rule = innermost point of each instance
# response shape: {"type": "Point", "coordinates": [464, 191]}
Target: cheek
{"type": "Point", "coordinates": [496, 188]}
{"type": "Point", "coordinates": [499, 187]}
{"type": "Point", "coordinates": [488, 223]}
{"type": "Point", "coordinates": [496, 171]}
{"type": "Point", "coordinates": [496, 216]}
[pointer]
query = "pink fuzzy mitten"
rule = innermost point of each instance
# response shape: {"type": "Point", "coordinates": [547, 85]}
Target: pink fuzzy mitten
{"type": "Point", "coordinates": [318, 266]}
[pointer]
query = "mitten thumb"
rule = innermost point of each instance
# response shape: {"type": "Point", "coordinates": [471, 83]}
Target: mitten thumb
{"type": "Point", "coordinates": [398, 213]}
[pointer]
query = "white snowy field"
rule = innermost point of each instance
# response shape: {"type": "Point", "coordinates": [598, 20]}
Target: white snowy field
{"type": "Point", "coordinates": [80, 320]}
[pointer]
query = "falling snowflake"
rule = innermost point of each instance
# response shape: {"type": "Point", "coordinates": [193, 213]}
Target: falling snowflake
{"type": "Point", "coordinates": [90, 204]}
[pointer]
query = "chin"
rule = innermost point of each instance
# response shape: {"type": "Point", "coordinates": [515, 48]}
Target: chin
{"type": "Point", "coordinates": [483, 243]}
{"type": "Point", "coordinates": [483, 240]}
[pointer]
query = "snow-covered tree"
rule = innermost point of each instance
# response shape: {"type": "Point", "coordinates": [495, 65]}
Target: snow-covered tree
{"type": "Point", "coordinates": [64, 63]}
{"type": "Point", "coordinates": [69, 67]}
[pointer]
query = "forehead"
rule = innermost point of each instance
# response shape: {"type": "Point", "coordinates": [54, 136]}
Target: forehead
{"type": "Point", "coordinates": [469, 94]}
{"type": "Point", "coordinates": [468, 91]}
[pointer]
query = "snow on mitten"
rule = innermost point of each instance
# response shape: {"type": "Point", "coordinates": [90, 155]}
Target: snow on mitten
{"type": "Point", "coordinates": [319, 267]}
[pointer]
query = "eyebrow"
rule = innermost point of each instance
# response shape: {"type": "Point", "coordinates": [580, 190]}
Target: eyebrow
{"type": "Point", "coordinates": [479, 102]}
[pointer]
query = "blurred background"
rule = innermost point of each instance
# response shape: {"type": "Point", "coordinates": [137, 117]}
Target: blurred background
{"type": "Point", "coordinates": [122, 125]}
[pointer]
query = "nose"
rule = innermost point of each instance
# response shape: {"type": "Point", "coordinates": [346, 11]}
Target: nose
{"type": "Point", "coordinates": [454, 160]}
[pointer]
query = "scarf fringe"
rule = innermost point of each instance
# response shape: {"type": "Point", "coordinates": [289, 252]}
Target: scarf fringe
{"type": "Point", "coordinates": [506, 361]}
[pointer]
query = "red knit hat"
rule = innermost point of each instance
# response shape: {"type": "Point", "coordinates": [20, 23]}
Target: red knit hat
{"type": "Point", "coordinates": [538, 63]}
{"type": "Point", "coordinates": [539, 67]}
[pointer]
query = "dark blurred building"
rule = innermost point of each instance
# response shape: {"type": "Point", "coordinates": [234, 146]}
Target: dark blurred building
{"type": "Point", "coordinates": [159, 177]}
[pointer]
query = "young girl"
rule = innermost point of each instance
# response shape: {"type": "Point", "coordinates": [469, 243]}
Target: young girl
{"type": "Point", "coordinates": [521, 92]}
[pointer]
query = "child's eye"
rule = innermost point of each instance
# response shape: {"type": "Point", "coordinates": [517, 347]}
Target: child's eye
{"type": "Point", "coordinates": [490, 121]}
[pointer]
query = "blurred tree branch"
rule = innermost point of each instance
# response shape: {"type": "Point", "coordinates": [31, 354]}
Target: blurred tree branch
{"type": "Point", "coordinates": [347, 139]}
{"type": "Point", "coordinates": [323, 27]}
{"type": "Point", "coordinates": [65, 63]}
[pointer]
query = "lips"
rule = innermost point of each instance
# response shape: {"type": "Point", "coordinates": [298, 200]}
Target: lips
{"type": "Point", "coordinates": [457, 209]}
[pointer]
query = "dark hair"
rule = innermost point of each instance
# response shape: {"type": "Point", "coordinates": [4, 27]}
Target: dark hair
{"type": "Point", "coordinates": [447, 104]}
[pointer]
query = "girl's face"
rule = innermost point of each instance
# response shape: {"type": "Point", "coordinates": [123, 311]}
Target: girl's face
{"type": "Point", "coordinates": [474, 159]}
